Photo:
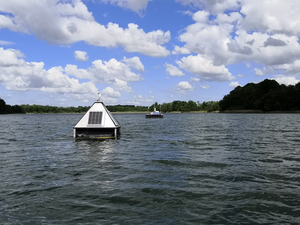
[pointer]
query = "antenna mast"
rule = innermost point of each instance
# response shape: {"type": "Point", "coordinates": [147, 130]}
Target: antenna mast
{"type": "Point", "coordinates": [99, 97]}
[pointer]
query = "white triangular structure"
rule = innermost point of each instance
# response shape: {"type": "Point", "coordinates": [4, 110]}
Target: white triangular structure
{"type": "Point", "coordinates": [97, 122]}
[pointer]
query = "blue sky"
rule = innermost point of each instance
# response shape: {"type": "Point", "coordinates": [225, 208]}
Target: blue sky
{"type": "Point", "coordinates": [139, 52]}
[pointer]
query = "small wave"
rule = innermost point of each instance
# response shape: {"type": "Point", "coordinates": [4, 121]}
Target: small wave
{"type": "Point", "coordinates": [296, 159]}
{"type": "Point", "coordinates": [33, 191]}
{"type": "Point", "coordinates": [170, 162]}
{"type": "Point", "coordinates": [271, 160]}
{"type": "Point", "coordinates": [121, 200]}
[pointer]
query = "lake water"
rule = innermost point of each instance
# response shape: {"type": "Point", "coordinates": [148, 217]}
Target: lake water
{"type": "Point", "coordinates": [183, 169]}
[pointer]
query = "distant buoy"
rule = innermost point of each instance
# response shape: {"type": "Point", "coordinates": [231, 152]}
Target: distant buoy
{"type": "Point", "coordinates": [154, 115]}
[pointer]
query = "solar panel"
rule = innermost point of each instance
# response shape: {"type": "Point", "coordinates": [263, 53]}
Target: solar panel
{"type": "Point", "coordinates": [95, 118]}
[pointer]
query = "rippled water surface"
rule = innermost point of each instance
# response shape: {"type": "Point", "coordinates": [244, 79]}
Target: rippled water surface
{"type": "Point", "coordinates": [183, 169]}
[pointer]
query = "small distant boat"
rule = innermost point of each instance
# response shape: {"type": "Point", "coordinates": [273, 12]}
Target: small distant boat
{"type": "Point", "coordinates": [97, 123]}
{"type": "Point", "coordinates": [154, 115]}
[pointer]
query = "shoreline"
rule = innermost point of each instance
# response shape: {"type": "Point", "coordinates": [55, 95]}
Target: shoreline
{"type": "Point", "coordinates": [178, 112]}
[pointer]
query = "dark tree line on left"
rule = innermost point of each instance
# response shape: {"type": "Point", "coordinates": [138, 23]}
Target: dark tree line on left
{"type": "Point", "coordinates": [8, 109]}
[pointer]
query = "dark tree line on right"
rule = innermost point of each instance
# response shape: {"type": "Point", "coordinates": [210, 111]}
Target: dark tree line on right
{"type": "Point", "coordinates": [267, 95]}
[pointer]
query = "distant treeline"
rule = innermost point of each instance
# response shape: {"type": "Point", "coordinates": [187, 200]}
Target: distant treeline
{"type": "Point", "coordinates": [53, 109]}
{"type": "Point", "coordinates": [267, 95]}
{"type": "Point", "coordinates": [126, 108]}
{"type": "Point", "coordinates": [181, 106]}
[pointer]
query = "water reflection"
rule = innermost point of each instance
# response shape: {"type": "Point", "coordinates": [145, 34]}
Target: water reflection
{"type": "Point", "coordinates": [96, 150]}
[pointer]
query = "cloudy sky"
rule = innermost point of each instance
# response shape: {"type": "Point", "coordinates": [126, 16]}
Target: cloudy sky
{"type": "Point", "coordinates": [63, 52]}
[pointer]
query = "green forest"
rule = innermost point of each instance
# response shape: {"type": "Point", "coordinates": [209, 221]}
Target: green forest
{"type": "Point", "coordinates": [184, 107]}
{"type": "Point", "coordinates": [266, 96]}
{"type": "Point", "coordinates": [178, 106]}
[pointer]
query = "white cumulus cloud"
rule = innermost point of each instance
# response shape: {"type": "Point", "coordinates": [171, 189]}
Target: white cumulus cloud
{"type": "Point", "coordinates": [271, 16]}
{"type": "Point", "coordinates": [112, 72]}
{"type": "Point", "coordinates": [81, 56]}
{"type": "Point", "coordinates": [184, 86]}
{"type": "Point", "coordinates": [11, 57]}
{"type": "Point", "coordinates": [205, 86]}
{"type": "Point", "coordinates": [134, 63]}
{"type": "Point", "coordinates": [234, 84]}
{"type": "Point", "coordinates": [195, 79]}
{"type": "Point", "coordinates": [173, 70]}
{"type": "Point", "coordinates": [143, 101]}
{"type": "Point", "coordinates": [204, 68]}
{"type": "Point", "coordinates": [287, 80]}
{"type": "Point", "coordinates": [214, 6]}
{"type": "Point", "coordinates": [6, 42]}
{"type": "Point", "coordinates": [180, 50]}
{"type": "Point", "coordinates": [112, 69]}
{"type": "Point", "coordinates": [110, 93]}
{"type": "Point", "coordinates": [258, 72]}
{"type": "Point", "coordinates": [135, 5]}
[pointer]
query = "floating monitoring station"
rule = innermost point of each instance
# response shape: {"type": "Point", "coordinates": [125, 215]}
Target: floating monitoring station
{"type": "Point", "coordinates": [154, 115]}
{"type": "Point", "coordinates": [97, 123]}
